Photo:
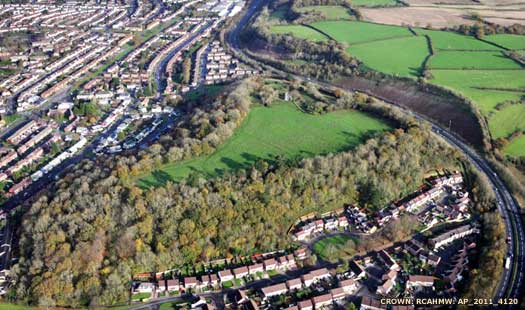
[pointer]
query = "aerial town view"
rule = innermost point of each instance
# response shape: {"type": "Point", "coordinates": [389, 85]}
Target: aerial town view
{"type": "Point", "coordinates": [262, 154]}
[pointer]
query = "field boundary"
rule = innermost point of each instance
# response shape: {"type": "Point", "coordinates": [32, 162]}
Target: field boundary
{"type": "Point", "coordinates": [318, 30]}
{"type": "Point", "coordinates": [425, 66]}
{"type": "Point", "coordinates": [493, 44]}
{"type": "Point", "coordinates": [382, 39]}
{"type": "Point", "coordinates": [512, 90]}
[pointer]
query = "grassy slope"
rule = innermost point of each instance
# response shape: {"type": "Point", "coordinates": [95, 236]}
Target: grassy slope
{"type": "Point", "coordinates": [405, 55]}
{"type": "Point", "coordinates": [509, 41]}
{"type": "Point", "coordinates": [279, 130]}
{"type": "Point", "coordinates": [330, 11]}
{"type": "Point", "coordinates": [359, 32]}
{"type": "Point", "coordinates": [442, 40]}
{"type": "Point", "coordinates": [470, 60]}
{"type": "Point", "coordinates": [516, 147]}
{"type": "Point", "coordinates": [465, 81]}
{"type": "Point", "coordinates": [300, 32]}
{"type": "Point", "coordinates": [505, 122]}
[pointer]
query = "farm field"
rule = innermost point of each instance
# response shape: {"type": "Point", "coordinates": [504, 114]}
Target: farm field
{"type": "Point", "coordinates": [405, 55]}
{"type": "Point", "coordinates": [436, 16]}
{"type": "Point", "coordinates": [509, 41]}
{"type": "Point", "coordinates": [327, 247]}
{"type": "Point", "coordinates": [516, 147]}
{"type": "Point", "coordinates": [473, 68]}
{"type": "Point", "coordinates": [279, 130]}
{"type": "Point", "coordinates": [472, 60]}
{"type": "Point", "coordinates": [443, 40]}
{"type": "Point", "coordinates": [468, 82]}
{"type": "Point", "coordinates": [503, 123]}
{"type": "Point", "coordinates": [299, 31]}
{"type": "Point", "coordinates": [329, 11]}
{"type": "Point", "coordinates": [359, 32]}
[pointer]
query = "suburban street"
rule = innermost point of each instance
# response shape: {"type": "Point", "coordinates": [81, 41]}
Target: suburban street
{"type": "Point", "coordinates": [511, 281]}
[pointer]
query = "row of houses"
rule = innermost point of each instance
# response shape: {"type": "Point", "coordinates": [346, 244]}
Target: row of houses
{"type": "Point", "coordinates": [307, 230]}
{"type": "Point", "coordinates": [281, 263]}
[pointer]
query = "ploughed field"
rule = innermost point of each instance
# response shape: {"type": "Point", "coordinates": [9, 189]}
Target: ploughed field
{"type": "Point", "coordinates": [478, 69]}
{"type": "Point", "coordinates": [268, 132]}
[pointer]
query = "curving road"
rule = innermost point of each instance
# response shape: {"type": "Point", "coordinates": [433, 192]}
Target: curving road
{"type": "Point", "coordinates": [511, 282]}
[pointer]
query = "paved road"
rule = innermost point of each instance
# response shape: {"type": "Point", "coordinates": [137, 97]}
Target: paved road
{"type": "Point", "coordinates": [511, 281]}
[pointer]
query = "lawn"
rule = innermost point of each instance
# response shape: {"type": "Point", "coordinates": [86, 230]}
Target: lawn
{"type": "Point", "coordinates": [405, 55]}
{"type": "Point", "coordinates": [359, 32]}
{"type": "Point", "coordinates": [516, 147]}
{"type": "Point", "coordinates": [510, 41]}
{"type": "Point", "coordinates": [329, 11]}
{"type": "Point", "coordinates": [330, 247]}
{"type": "Point", "coordinates": [445, 40]}
{"type": "Point", "coordinates": [227, 284]}
{"type": "Point", "coordinates": [503, 123]}
{"type": "Point", "coordinates": [299, 31]}
{"type": "Point", "coordinates": [466, 83]}
{"type": "Point", "coordinates": [272, 273]}
{"type": "Point", "coordinates": [280, 130]}
{"type": "Point", "coordinates": [472, 60]}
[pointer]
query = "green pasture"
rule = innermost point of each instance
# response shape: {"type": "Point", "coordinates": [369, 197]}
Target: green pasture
{"type": "Point", "coordinates": [268, 132]}
{"type": "Point", "coordinates": [511, 118]}
{"type": "Point", "coordinates": [516, 147]}
{"type": "Point", "coordinates": [445, 40]}
{"type": "Point", "coordinates": [472, 60]}
{"type": "Point", "coordinates": [485, 87]}
{"type": "Point", "coordinates": [405, 55]}
{"type": "Point", "coordinates": [353, 32]}
{"type": "Point", "coordinates": [510, 41]}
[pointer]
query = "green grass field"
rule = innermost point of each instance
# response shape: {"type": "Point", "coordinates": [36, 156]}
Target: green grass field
{"type": "Point", "coordinates": [465, 82]}
{"type": "Point", "coordinates": [472, 60]}
{"type": "Point", "coordinates": [299, 31]}
{"type": "Point", "coordinates": [405, 55]}
{"type": "Point", "coordinates": [331, 12]}
{"type": "Point", "coordinates": [503, 123]}
{"type": "Point", "coordinates": [444, 40]}
{"type": "Point", "coordinates": [372, 3]}
{"type": "Point", "coordinates": [516, 147]}
{"type": "Point", "coordinates": [358, 32]}
{"type": "Point", "coordinates": [269, 132]}
{"type": "Point", "coordinates": [330, 247]}
{"type": "Point", "coordinates": [509, 41]}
